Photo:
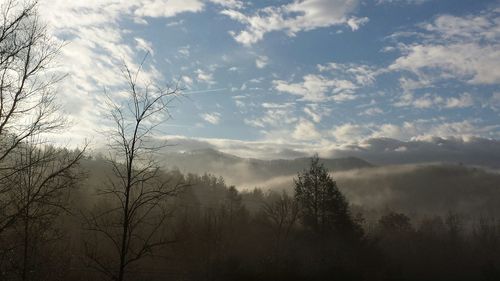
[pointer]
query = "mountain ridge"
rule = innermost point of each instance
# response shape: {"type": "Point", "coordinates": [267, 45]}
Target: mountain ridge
{"type": "Point", "coordinates": [236, 170]}
{"type": "Point", "coordinates": [183, 161]}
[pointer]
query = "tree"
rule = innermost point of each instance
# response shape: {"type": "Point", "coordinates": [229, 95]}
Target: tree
{"type": "Point", "coordinates": [395, 223]}
{"type": "Point", "coordinates": [234, 205]}
{"type": "Point", "coordinates": [130, 224]}
{"type": "Point", "coordinates": [282, 212]}
{"type": "Point", "coordinates": [34, 177]}
{"type": "Point", "coordinates": [323, 207]}
{"type": "Point", "coordinates": [39, 193]}
{"type": "Point", "coordinates": [27, 96]}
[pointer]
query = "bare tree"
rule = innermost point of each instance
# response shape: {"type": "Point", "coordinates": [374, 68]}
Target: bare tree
{"type": "Point", "coordinates": [39, 193]}
{"type": "Point", "coordinates": [27, 96]}
{"type": "Point", "coordinates": [131, 224]}
{"type": "Point", "coordinates": [34, 177]}
{"type": "Point", "coordinates": [283, 213]}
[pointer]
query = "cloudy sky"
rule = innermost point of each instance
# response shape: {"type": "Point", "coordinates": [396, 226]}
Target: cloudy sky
{"type": "Point", "coordinates": [284, 77]}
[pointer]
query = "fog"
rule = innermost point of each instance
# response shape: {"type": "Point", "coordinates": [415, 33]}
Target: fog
{"type": "Point", "coordinates": [425, 188]}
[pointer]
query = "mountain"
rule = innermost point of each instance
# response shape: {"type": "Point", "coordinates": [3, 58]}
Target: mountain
{"type": "Point", "coordinates": [248, 172]}
{"type": "Point", "coordinates": [423, 189]}
{"type": "Point", "coordinates": [428, 188]}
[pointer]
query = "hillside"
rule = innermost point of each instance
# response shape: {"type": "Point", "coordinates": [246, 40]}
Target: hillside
{"type": "Point", "coordinates": [248, 171]}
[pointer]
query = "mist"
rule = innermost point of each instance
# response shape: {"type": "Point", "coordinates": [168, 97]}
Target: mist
{"type": "Point", "coordinates": [214, 140]}
{"type": "Point", "coordinates": [424, 189]}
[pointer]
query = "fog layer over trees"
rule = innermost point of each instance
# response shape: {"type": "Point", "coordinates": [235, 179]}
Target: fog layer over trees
{"type": "Point", "coordinates": [71, 215]}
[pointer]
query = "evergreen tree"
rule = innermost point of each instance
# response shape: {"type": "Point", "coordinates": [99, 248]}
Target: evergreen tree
{"type": "Point", "coordinates": [323, 207]}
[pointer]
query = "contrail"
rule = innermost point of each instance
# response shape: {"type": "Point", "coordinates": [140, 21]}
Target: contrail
{"type": "Point", "coordinates": [205, 91]}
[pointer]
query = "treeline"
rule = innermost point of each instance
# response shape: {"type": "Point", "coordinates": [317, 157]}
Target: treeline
{"type": "Point", "coordinates": [212, 231]}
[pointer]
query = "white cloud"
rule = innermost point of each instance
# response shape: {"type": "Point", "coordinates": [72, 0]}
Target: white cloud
{"type": "Point", "coordinates": [261, 61]}
{"type": "Point", "coordinates": [427, 101]}
{"type": "Point", "coordinates": [388, 130]}
{"type": "Point", "coordinates": [204, 76]}
{"type": "Point", "coordinates": [305, 130]}
{"type": "Point", "coordinates": [434, 101]}
{"type": "Point", "coordinates": [144, 45]}
{"type": "Point", "coordinates": [240, 104]}
{"type": "Point", "coordinates": [73, 14]}
{"type": "Point", "coordinates": [349, 132]}
{"type": "Point", "coordinates": [469, 27]}
{"type": "Point", "coordinates": [275, 116]}
{"type": "Point", "coordinates": [462, 48]}
{"type": "Point", "coordinates": [97, 45]}
{"type": "Point", "coordinates": [464, 100]}
{"type": "Point", "coordinates": [434, 128]}
{"type": "Point", "coordinates": [231, 4]}
{"type": "Point", "coordinates": [417, 129]}
{"type": "Point", "coordinates": [175, 23]}
{"type": "Point", "coordinates": [300, 15]}
{"type": "Point", "coordinates": [466, 128]}
{"type": "Point", "coordinates": [471, 62]}
{"type": "Point", "coordinates": [372, 111]}
{"type": "Point", "coordinates": [212, 118]}
{"type": "Point", "coordinates": [408, 84]}
{"type": "Point", "coordinates": [338, 82]}
{"type": "Point", "coordinates": [360, 74]}
{"type": "Point", "coordinates": [165, 8]}
{"type": "Point", "coordinates": [188, 80]}
{"type": "Point", "coordinates": [313, 114]}
{"type": "Point", "coordinates": [314, 88]}
{"type": "Point", "coordinates": [271, 105]}
{"type": "Point", "coordinates": [185, 51]}
{"type": "Point", "coordinates": [344, 96]}
{"type": "Point", "coordinates": [355, 23]}
{"type": "Point", "coordinates": [280, 121]}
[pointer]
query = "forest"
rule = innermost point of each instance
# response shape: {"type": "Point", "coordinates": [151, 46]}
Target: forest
{"type": "Point", "coordinates": [72, 214]}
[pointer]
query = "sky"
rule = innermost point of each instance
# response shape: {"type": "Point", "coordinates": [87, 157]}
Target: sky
{"type": "Point", "coordinates": [285, 78]}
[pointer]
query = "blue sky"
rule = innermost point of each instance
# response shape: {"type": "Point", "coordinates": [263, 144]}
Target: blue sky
{"type": "Point", "coordinates": [281, 78]}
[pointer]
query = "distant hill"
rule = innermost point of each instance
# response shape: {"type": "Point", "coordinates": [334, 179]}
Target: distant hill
{"type": "Point", "coordinates": [424, 189]}
{"type": "Point", "coordinates": [429, 188]}
{"type": "Point", "coordinates": [237, 170]}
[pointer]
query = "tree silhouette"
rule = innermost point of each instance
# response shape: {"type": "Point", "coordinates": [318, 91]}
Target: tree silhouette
{"type": "Point", "coordinates": [27, 96]}
{"type": "Point", "coordinates": [395, 223]}
{"type": "Point", "coordinates": [282, 213]}
{"type": "Point", "coordinates": [27, 99]}
{"type": "Point", "coordinates": [34, 177]}
{"type": "Point", "coordinates": [323, 207]}
{"type": "Point", "coordinates": [131, 221]}
{"type": "Point", "coordinates": [39, 193]}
